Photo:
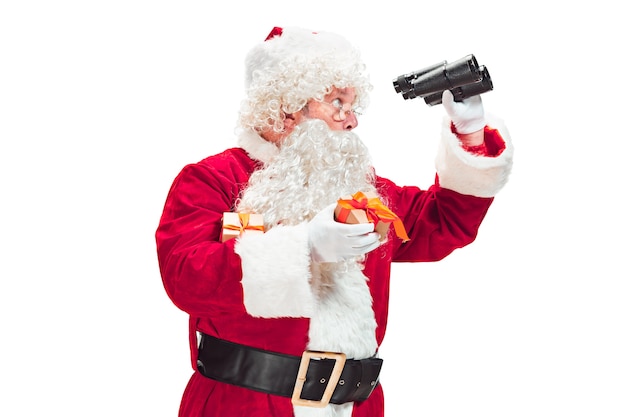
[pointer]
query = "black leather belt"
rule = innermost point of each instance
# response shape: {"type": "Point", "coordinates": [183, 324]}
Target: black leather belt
{"type": "Point", "coordinates": [313, 379]}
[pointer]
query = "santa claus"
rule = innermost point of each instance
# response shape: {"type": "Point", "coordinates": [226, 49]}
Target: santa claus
{"type": "Point", "coordinates": [288, 322]}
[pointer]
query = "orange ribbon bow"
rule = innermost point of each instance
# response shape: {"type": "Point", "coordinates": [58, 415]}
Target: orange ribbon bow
{"type": "Point", "coordinates": [375, 210]}
{"type": "Point", "coordinates": [244, 220]}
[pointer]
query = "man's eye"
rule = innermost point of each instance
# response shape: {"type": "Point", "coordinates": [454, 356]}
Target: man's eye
{"type": "Point", "coordinates": [337, 103]}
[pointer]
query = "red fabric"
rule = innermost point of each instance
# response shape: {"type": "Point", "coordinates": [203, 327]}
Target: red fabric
{"type": "Point", "coordinates": [492, 146]}
{"type": "Point", "coordinates": [277, 31]}
{"type": "Point", "coordinates": [232, 401]}
{"type": "Point", "coordinates": [202, 275]}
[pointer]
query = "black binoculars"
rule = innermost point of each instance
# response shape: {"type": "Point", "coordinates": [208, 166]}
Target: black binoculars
{"type": "Point", "coordinates": [464, 78]}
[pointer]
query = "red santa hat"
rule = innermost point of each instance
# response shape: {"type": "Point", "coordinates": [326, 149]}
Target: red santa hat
{"type": "Point", "coordinates": [293, 65]}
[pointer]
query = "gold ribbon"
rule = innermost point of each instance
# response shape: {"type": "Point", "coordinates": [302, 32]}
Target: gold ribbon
{"type": "Point", "coordinates": [375, 210]}
{"type": "Point", "coordinates": [244, 224]}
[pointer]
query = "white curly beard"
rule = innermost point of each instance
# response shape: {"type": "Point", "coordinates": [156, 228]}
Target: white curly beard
{"type": "Point", "coordinates": [314, 167]}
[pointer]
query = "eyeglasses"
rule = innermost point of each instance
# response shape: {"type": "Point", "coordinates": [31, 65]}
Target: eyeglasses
{"type": "Point", "coordinates": [341, 113]}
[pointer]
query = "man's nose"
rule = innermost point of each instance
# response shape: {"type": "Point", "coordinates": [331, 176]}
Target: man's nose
{"type": "Point", "coordinates": [351, 121]}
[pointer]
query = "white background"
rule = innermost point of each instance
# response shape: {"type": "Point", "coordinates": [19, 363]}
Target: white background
{"type": "Point", "coordinates": [102, 103]}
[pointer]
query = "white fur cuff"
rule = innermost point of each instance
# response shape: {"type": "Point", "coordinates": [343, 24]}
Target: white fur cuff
{"type": "Point", "coordinates": [276, 272]}
{"type": "Point", "coordinates": [465, 173]}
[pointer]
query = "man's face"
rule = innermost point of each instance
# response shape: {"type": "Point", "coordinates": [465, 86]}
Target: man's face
{"type": "Point", "coordinates": [336, 110]}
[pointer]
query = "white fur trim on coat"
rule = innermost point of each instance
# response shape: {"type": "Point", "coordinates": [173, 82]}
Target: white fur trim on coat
{"type": "Point", "coordinates": [276, 272]}
{"type": "Point", "coordinates": [463, 172]}
{"type": "Point", "coordinates": [331, 410]}
{"type": "Point", "coordinates": [257, 147]}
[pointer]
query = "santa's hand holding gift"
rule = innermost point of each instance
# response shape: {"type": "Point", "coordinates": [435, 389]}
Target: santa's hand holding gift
{"type": "Point", "coordinates": [289, 321]}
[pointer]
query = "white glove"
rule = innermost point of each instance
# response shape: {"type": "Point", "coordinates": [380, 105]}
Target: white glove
{"type": "Point", "coordinates": [468, 115]}
{"type": "Point", "coordinates": [332, 241]}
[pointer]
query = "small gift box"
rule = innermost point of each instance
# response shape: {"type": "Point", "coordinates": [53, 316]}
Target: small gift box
{"type": "Point", "coordinates": [367, 208]}
{"type": "Point", "coordinates": [234, 224]}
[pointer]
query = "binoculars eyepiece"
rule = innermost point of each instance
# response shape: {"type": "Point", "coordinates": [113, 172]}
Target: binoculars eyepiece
{"type": "Point", "coordinates": [464, 78]}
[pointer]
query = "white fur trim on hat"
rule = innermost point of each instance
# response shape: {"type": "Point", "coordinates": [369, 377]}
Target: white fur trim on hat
{"type": "Point", "coordinates": [297, 44]}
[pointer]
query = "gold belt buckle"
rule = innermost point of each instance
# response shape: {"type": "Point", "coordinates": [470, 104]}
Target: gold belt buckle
{"type": "Point", "coordinates": [340, 361]}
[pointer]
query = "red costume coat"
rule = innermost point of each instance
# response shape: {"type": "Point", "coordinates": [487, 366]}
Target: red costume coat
{"type": "Point", "coordinates": [203, 277]}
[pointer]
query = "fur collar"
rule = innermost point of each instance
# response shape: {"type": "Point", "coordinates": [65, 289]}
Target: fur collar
{"type": "Point", "coordinates": [257, 147]}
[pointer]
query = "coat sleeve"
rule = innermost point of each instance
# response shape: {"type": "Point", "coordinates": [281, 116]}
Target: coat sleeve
{"type": "Point", "coordinates": [200, 274]}
{"type": "Point", "coordinates": [262, 275]}
{"type": "Point", "coordinates": [447, 215]}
